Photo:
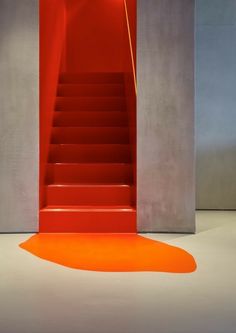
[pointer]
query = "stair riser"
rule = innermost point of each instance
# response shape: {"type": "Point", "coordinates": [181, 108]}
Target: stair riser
{"type": "Point", "coordinates": [103, 78]}
{"type": "Point", "coordinates": [91, 118]}
{"type": "Point", "coordinates": [90, 104]}
{"type": "Point", "coordinates": [89, 154]}
{"type": "Point", "coordinates": [123, 222]}
{"type": "Point", "coordinates": [89, 174]}
{"type": "Point", "coordinates": [94, 135]}
{"type": "Point", "coordinates": [88, 195]}
{"type": "Point", "coordinates": [90, 90]}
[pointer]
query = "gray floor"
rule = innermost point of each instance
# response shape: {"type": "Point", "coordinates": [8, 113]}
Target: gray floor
{"type": "Point", "coordinates": [37, 296]}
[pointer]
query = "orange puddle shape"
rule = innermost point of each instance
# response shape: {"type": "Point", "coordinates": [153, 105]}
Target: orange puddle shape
{"type": "Point", "coordinates": [110, 253]}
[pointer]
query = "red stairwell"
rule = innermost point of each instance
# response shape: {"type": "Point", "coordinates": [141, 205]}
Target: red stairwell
{"type": "Point", "coordinates": [89, 174]}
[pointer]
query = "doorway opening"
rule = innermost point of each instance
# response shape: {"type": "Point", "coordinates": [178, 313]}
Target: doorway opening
{"type": "Point", "coordinates": [88, 95]}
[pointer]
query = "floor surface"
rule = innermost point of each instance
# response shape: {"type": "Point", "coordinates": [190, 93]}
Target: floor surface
{"type": "Point", "coordinates": [37, 296]}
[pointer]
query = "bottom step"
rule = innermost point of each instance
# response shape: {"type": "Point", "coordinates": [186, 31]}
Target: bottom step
{"type": "Point", "coordinates": [72, 219]}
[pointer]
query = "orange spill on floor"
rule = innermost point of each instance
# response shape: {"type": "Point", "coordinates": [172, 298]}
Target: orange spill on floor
{"type": "Point", "coordinates": [110, 253]}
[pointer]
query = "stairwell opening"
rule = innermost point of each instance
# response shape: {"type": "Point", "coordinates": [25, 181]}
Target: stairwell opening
{"type": "Point", "coordinates": [87, 116]}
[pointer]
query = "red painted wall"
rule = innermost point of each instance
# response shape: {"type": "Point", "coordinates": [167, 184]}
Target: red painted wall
{"type": "Point", "coordinates": [129, 69]}
{"type": "Point", "coordinates": [95, 35]}
{"type": "Point", "coordinates": [132, 15]}
{"type": "Point", "coordinates": [52, 32]}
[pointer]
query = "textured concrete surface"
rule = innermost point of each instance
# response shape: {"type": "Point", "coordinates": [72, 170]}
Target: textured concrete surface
{"type": "Point", "coordinates": [165, 115]}
{"type": "Point", "coordinates": [18, 115]}
{"type": "Point", "coordinates": [216, 104]}
{"type": "Point", "coordinates": [165, 175]}
{"type": "Point", "coordinates": [41, 297]}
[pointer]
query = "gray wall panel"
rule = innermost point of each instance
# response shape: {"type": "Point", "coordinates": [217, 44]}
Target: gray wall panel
{"type": "Point", "coordinates": [216, 104]}
{"type": "Point", "coordinates": [166, 199]}
{"type": "Point", "coordinates": [18, 115]}
{"type": "Point", "coordinates": [165, 117]}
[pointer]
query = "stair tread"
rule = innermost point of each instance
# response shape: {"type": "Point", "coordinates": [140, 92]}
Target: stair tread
{"type": "Point", "coordinates": [91, 127]}
{"type": "Point", "coordinates": [90, 144]}
{"type": "Point", "coordinates": [61, 84]}
{"type": "Point", "coordinates": [87, 208]}
{"type": "Point", "coordinates": [90, 112]}
{"type": "Point", "coordinates": [92, 163]}
{"type": "Point", "coordinates": [78, 110]}
{"type": "Point", "coordinates": [91, 96]}
{"type": "Point", "coordinates": [89, 185]}
{"type": "Point", "coordinates": [95, 127]}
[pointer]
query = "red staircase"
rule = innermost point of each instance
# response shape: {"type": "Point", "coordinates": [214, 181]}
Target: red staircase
{"type": "Point", "coordinates": [89, 171]}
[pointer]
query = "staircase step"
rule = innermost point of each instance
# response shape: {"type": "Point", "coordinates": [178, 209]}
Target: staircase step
{"type": "Point", "coordinates": [94, 195]}
{"type": "Point", "coordinates": [87, 208]}
{"type": "Point", "coordinates": [87, 219]}
{"type": "Point", "coordinates": [89, 153]}
{"type": "Point", "coordinates": [90, 135]}
{"type": "Point", "coordinates": [90, 104]}
{"type": "Point", "coordinates": [91, 78]}
{"type": "Point", "coordinates": [115, 118]}
{"type": "Point", "coordinates": [89, 89]}
{"type": "Point", "coordinates": [96, 173]}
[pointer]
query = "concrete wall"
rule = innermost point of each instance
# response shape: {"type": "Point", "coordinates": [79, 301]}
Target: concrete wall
{"type": "Point", "coordinates": [165, 125]}
{"type": "Point", "coordinates": [165, 112]}
{"type": "Point", "coordinates": [18, 115]}
{"type": "Point", "coordinates": [216, 104]}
